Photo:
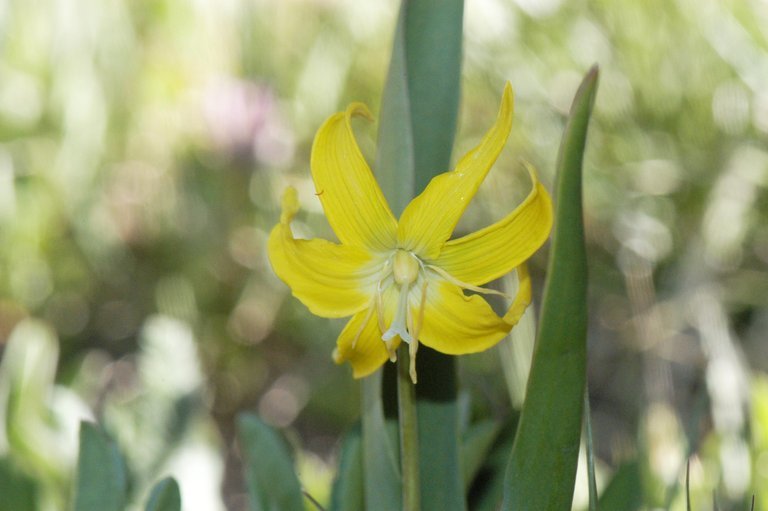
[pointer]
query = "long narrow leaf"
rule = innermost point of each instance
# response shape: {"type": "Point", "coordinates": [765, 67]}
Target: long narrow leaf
{"type": "Point", "coordinates": [271, 479]}
{"type": "Point", "coordinates": [347, 493]}
{"type": "Point", "coordinates": [488, 486]}
{"type": "Point", "coordinates": [592, 481]}
{"type": "Point", "coordinates": [476, 444]}
{"type": "Point", "coordinates": [624, 492]}
{"type": "Point", "coordinates": [542, 468]}
{"type": "Point", "coordinates": [418, 124]}
{"type": "Point", "coordinates": [102, 480]}
{"type": "Point", "coordinates": [18, 490]}
{"type": "Point", "coordinates": [380, 454]}
{"type": "Point", "coordinates": [165, 496]}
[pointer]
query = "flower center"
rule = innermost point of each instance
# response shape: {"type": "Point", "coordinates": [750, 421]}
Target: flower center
{"type": "Point", "coordinates": [405, 267]}
{"type": "Point", "coordinates": [405, 272]}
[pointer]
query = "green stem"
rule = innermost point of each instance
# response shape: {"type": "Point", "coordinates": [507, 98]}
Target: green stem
{"type": "Point", "coordinates": [409, 434]}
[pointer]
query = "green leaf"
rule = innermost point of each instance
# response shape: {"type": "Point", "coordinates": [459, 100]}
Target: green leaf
{"type": "Point", "coordinates": [395, 165]}
{"type": "Point", "coordinates": [421, 98]}
{"type": "Point", "coordinates": [542, 467]}
{"type": "Point", "coordinates": [347, 493]}
{"type": "Point", "coordinates": [165, 496]}
{"type": "Point", "coordinates": [592, 481]}
{"type": "Point", "coordinates": [476, 444]}
{"type": "Point", "coordinates": [416, 132]}
{"type": "Point", "coordinates": [625, 491]}
{"type": "Point", "coordinates": [18, 491]}
{"type": "Point", "coordinates": [380, 455]}
{"type": "Point", "coordinates": [485, 493]}
{"type": "Point", "coordinates": [433, 41]}
{"type": "Point", "coordinates": [102, 480]}
{"type": "Point", "coordinates": [271, 479]}
{"type": "Point", "coordinates": [688, 486]}
{"type": "Point", "coordinates": [442, 482]}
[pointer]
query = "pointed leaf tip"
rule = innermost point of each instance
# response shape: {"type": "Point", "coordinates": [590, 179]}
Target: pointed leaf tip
{"type": "Point", "coordinates": [165, 496]}
{"type": "Point", "coordinates": [270, 476]}
{"type": "Point", "coordinates": [542, 468]}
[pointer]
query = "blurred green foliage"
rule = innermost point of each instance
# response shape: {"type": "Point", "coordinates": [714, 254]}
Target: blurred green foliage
{"type": "Point", "coordinates": [144, 144]}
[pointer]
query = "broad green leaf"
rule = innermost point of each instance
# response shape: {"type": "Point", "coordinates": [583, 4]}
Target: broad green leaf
{"type": "Point", "coordinates": [542, 467]}
{"type": "Point", "coordinates": [348, 493]}
{"type": "Point", "coordinates": [421, 98]}
{"type": "Point", "coordinates": [380, 454]}
{"type": "Point", "coordinates": [416, 131]}
{"type": "Point", "coordinates": [442, 482]}
{"type": "Point", "coordinates": [270, 476]}
{"type": "Point", "coordinates": [102, 480]}
{"type": "Point", "coordinates": [625, 491]}
{"type": "Point", "coordinates": [165, 496]}
{"type": "Point", "coordinates": [18, 491]}
{"type": "Point", "coordinates": [395, 165]}
{"type": "Point", "coordinates": [433, 41]}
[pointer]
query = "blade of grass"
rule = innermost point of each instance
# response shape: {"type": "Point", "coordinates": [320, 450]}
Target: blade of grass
{"type": "Point", "coordinates": [542, 468]}
{"type": "Point", "coordinates": [270, 476]}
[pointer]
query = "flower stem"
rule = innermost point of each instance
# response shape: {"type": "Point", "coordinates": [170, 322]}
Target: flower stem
{"type": "Point", "coordinates": [409, 434]}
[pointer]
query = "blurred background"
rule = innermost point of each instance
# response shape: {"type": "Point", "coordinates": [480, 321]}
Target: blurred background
{"type": "Point", "coordinates": [143, 148]}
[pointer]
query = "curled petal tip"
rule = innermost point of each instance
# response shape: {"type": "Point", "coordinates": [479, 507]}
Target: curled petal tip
{"type": "Point", "coordinates": [358, 110]}
{"type": "Point", "coordinates": [290, 205]}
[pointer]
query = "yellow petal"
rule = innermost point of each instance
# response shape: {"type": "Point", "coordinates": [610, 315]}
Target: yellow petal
{"type": "Point", "coordinates": [430, 218]}
{"type": "Point", "coordinates": [522, 298]}
{"type": "Point", "coordinates": [352, 200]}
{"type": "Point", "coordinates": [491, 252]}
{"type": "Point", "coordinates": [332, 280]}
{"type": "Point", "coordinates": [456, 324]}
{"type": "Point", "coordinates": [360, 342]}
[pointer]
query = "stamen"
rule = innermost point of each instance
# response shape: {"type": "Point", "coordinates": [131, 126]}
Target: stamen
{"type": "Point", "coordinates": [464, 285]}
{"type": "Point", "coordinates": [380, 307]}
{"type": "Point", "coordinates": [412, 349]}
{"type": "Point", "coordinates": [415, 328]}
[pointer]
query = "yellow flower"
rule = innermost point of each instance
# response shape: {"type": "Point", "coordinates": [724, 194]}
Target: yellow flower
{"type": "Point", "coordinates": [404, 280]}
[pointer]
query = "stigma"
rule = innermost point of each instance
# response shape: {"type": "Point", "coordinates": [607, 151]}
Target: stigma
{"type": "Point", "coordinates": [405, 267]}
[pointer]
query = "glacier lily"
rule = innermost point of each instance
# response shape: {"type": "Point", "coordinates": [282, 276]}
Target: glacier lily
{"type": "Point", "coordinates": [404, 280]}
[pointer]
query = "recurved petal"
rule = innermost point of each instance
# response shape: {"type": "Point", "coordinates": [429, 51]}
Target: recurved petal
{"type": "Point", "coordinates": [331, 280]}
{"type": "Point", "coordinates": [494, 251]}
{"type": "Point", "coordinates": [360, 341]}
{"type": "Point", "coordinates": [352, 200]}
{"type": "Point", "coordinates": [457, 324]}
{"type": "Point", "coordinates": [430, 218]}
